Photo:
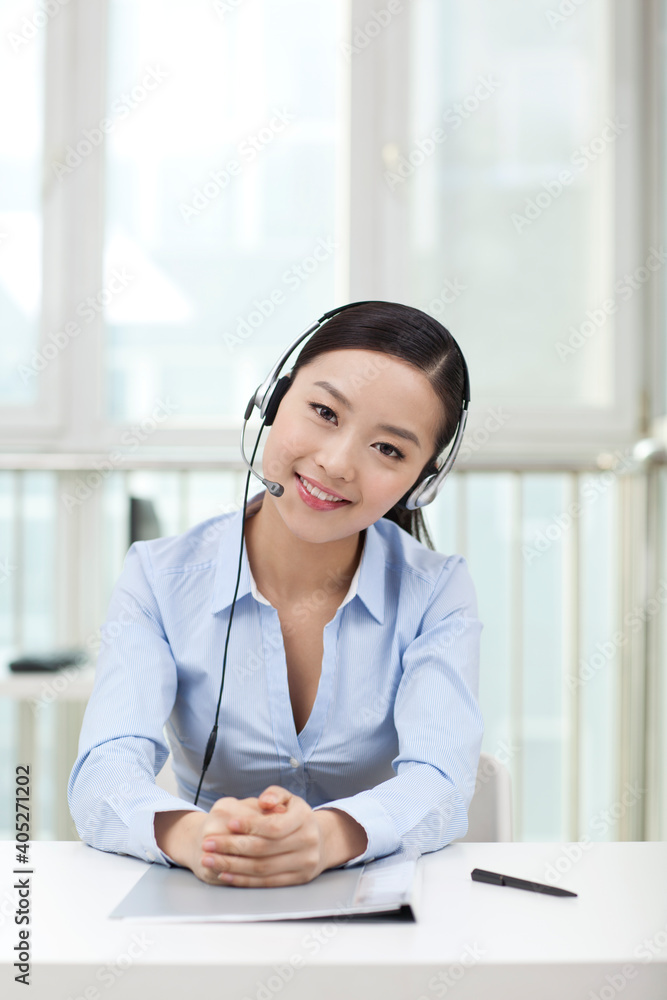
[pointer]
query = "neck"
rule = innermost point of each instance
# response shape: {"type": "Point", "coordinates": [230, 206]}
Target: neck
{"type": "Point", "coordinates": [288, 570]}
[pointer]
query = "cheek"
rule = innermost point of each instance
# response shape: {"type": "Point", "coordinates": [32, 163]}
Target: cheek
{"type": "Point", "coordinates": [283, 446]}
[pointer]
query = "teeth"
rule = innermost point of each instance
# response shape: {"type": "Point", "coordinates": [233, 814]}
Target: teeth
{"type": "Point", "coordinates": [319, 493]}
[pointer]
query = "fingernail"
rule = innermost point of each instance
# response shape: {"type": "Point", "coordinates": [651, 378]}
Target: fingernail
{"type": "Point", "coordinates": [269, 800]}
{"type": "Point", "coordinates": [209, 845]}
{"type": "Point", "coordinates": [234, 825]}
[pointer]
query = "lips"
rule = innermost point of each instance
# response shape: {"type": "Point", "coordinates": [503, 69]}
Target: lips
{"type": "Point", "coordinates": [314, 482]}
{"type": "Point", "coordinates": [315, 503]}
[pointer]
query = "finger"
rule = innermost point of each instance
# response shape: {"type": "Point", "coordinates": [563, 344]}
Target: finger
{"type": "Point", "coordinates": [230, 834]}
{"type": "Point", "coordinates": [232, 870]}
{"type": "Point", "coordinates": [251, 846]}
{"type": "Point", "coordinates": [269, 823]}
{"type": "Point", "coordinates": [226, 805]}
{"type": "Point", "coordinates": [246, 864]}
{"type": "Point", "coordinates": [275, 797]}
{"type": "Point", "coordinates": [285, 878]}
{"type": "Point", "coordinates": [267, 807]}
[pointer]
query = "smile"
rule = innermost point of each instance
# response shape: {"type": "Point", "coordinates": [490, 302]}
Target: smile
{"type": "Point", "coordinates": [317, 497]}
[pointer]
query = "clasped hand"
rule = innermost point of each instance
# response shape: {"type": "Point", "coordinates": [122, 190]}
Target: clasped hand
{"type": "Point", "coordinates": [275, 839]}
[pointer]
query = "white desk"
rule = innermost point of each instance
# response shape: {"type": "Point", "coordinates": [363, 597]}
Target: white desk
{"type": "Point", "coordinates": [516, 944]}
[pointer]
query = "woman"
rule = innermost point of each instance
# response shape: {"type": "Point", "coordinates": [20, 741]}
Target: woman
{"type": "Point", "coordinates": [349, 724]}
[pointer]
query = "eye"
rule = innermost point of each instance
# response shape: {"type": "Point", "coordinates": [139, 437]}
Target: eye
{"type": "Point", "coordinates": [398, 454]}
{"type": "Point", "coordinates": [320, 406]}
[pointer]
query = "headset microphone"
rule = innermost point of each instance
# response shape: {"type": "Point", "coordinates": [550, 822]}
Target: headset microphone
{"type": "Point", "coordinates": [275, 489]}
{"type": "Point", "coordinates": [267, 398]}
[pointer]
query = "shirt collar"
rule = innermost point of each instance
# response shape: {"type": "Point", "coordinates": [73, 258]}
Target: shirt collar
{"type": "Point", "coordinates": [352, 589]}
{"type": "Point", "coordinates": [368, 581]}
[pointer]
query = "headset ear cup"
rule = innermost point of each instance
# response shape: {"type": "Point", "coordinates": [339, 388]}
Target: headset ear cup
{"type": "Point", "coordinates": [418, 488]}
{"type": "Point", "coordinates": [281, 387]}
{"type": "Point", "coordinates": [414, 492]}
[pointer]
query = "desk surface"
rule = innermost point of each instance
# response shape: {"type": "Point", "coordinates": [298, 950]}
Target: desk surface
{"type": "Point", "coordinates": [472, 939]}
{"type": "Point", "coordinates": [69, 684]}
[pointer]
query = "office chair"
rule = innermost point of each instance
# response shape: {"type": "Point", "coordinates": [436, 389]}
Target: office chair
{"type": "Point", "coordinates": [490, 812]}
{"type": "Point", "coordinates": [166, 778]}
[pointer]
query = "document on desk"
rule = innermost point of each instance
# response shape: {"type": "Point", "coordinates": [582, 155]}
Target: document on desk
{"type": "Point", "coordinates": [388, 886]}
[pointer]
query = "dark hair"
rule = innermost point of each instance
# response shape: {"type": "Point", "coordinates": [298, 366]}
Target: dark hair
{"type": "Point", "coordinates": [413, 336]}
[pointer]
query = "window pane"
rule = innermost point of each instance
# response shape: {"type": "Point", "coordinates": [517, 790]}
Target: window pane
{"type": "Point", "coordinates": [21, 127]}
{"type": "Point", "coordinates": [221, 200]}
{"type": "Point", "coordinates": [510, 200]}
{"type": "Point", "coordinates": [661, 62]}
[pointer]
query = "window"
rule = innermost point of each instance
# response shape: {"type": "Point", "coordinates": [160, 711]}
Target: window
{"type": "Point", "coordinates": [21, 145]}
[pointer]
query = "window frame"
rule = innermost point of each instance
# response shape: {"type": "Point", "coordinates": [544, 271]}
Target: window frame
{"type": "Point", "coordinates": [68, 417]}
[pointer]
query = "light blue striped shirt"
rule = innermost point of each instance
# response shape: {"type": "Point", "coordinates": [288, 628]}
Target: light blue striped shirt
{"type": "Point", "coordinates": [395, 731]}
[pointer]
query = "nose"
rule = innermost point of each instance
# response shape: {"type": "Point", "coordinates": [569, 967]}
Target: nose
{"type": "Point", "coordinates": [337, 459]}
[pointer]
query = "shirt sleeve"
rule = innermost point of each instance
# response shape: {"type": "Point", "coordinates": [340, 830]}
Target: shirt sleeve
{"type": "Point", "coordinates": [439, 726]}
{"type": "Point", "coordinates": [111, 791]}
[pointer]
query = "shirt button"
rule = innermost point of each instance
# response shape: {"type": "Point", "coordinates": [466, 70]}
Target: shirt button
{"type": "Point", "coordinates": [294, 762]}
{"type": "Point", "coordinates": [150, 856]}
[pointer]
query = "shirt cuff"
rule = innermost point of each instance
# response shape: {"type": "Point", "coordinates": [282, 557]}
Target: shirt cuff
{"type": "Point", "coordinates": [141, 834]}
{"type": "Point", "coordinates": [378, 824]}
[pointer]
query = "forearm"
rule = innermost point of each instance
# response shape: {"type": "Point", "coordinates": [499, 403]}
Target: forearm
{"type": "Point", "coordinates": [113, 797]}
{"type": "Point", "coordinates": [344, 838]}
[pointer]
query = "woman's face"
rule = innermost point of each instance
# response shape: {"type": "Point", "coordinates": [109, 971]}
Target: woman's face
{"type": "Point", "coordinates": [345, 448]}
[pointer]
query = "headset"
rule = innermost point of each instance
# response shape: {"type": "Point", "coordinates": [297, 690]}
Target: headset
{"type": "Point", "coordinates": [266, 399]}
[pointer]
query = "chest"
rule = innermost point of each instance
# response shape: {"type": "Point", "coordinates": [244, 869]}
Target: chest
{"type": "Point", "coordinates": [303, 638]}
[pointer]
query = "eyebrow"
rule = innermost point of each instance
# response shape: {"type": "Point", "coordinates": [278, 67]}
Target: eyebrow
{"type": "Point", "coordinates": [389, 428]}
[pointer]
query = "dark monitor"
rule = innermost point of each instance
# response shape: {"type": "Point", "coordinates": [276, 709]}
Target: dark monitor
{"type": "Point", "coordinates": [144, 523]}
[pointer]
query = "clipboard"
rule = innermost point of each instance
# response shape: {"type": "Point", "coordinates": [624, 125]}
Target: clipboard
{"type": "Point", "coordinates": [385, 887]}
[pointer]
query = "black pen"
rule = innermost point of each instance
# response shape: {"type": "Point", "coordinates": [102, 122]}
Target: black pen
{"type": "Point", "coordinates": [479, 875]}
